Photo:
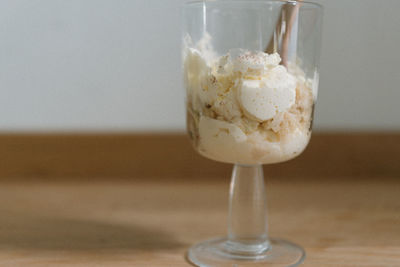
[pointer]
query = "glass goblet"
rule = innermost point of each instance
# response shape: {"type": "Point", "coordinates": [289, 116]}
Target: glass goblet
{"type": "Point", "coordinates": [251, 80]}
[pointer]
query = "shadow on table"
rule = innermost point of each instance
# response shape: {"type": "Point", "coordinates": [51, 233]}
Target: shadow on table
{"type": "Point", "coordinates": [29, 231]}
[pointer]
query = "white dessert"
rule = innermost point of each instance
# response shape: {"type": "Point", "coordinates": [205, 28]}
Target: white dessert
{"type": "Point", "coordinates": [243, 107]}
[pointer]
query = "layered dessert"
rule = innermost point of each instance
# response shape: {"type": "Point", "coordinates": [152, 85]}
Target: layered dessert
{"type": "Point", "coordinates": [245, 107]}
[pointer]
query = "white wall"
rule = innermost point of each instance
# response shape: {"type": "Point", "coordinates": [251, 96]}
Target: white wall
{"type": "Point", "coordinates": [114, 65]}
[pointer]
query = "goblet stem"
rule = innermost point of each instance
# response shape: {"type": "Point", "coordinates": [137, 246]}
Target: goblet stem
{"type": "Point", "coordinates": [247, 220]}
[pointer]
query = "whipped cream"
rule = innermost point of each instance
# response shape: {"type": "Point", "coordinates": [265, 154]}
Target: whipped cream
{"type": "Point", "coordinates": [243, 107]}
{"type": "Point", "coordinates": [263, 98]}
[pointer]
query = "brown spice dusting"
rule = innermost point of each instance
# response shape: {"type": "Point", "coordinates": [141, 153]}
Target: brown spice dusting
{"type": "Point", "coordinates": [213, 79]}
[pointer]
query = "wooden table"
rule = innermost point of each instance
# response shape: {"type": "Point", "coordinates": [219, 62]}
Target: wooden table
{"type": "Point", "coordinates": [340, 222]}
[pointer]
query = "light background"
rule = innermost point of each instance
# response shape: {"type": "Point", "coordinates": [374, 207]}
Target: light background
{"type": "Point", "coordinates": [114, 65]}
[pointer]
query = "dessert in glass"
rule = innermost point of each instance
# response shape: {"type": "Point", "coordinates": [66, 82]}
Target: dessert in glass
{"type": "Point", "coordinates": [251, 78]}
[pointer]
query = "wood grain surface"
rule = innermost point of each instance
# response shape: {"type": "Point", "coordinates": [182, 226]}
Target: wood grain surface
{"type": "Point", "coordinates": [340, 222]}
{"type": "Point", "coordinates": [127, 156]}
{"type": "Point", "coordinates": [142, 200]}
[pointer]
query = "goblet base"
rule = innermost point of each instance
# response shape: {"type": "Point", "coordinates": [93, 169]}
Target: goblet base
{"type": "Point", "coordinates": [218, 253]}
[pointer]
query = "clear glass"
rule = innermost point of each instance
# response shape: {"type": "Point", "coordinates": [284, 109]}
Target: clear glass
{"type": "Point", "coordinates": [251, 77]}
